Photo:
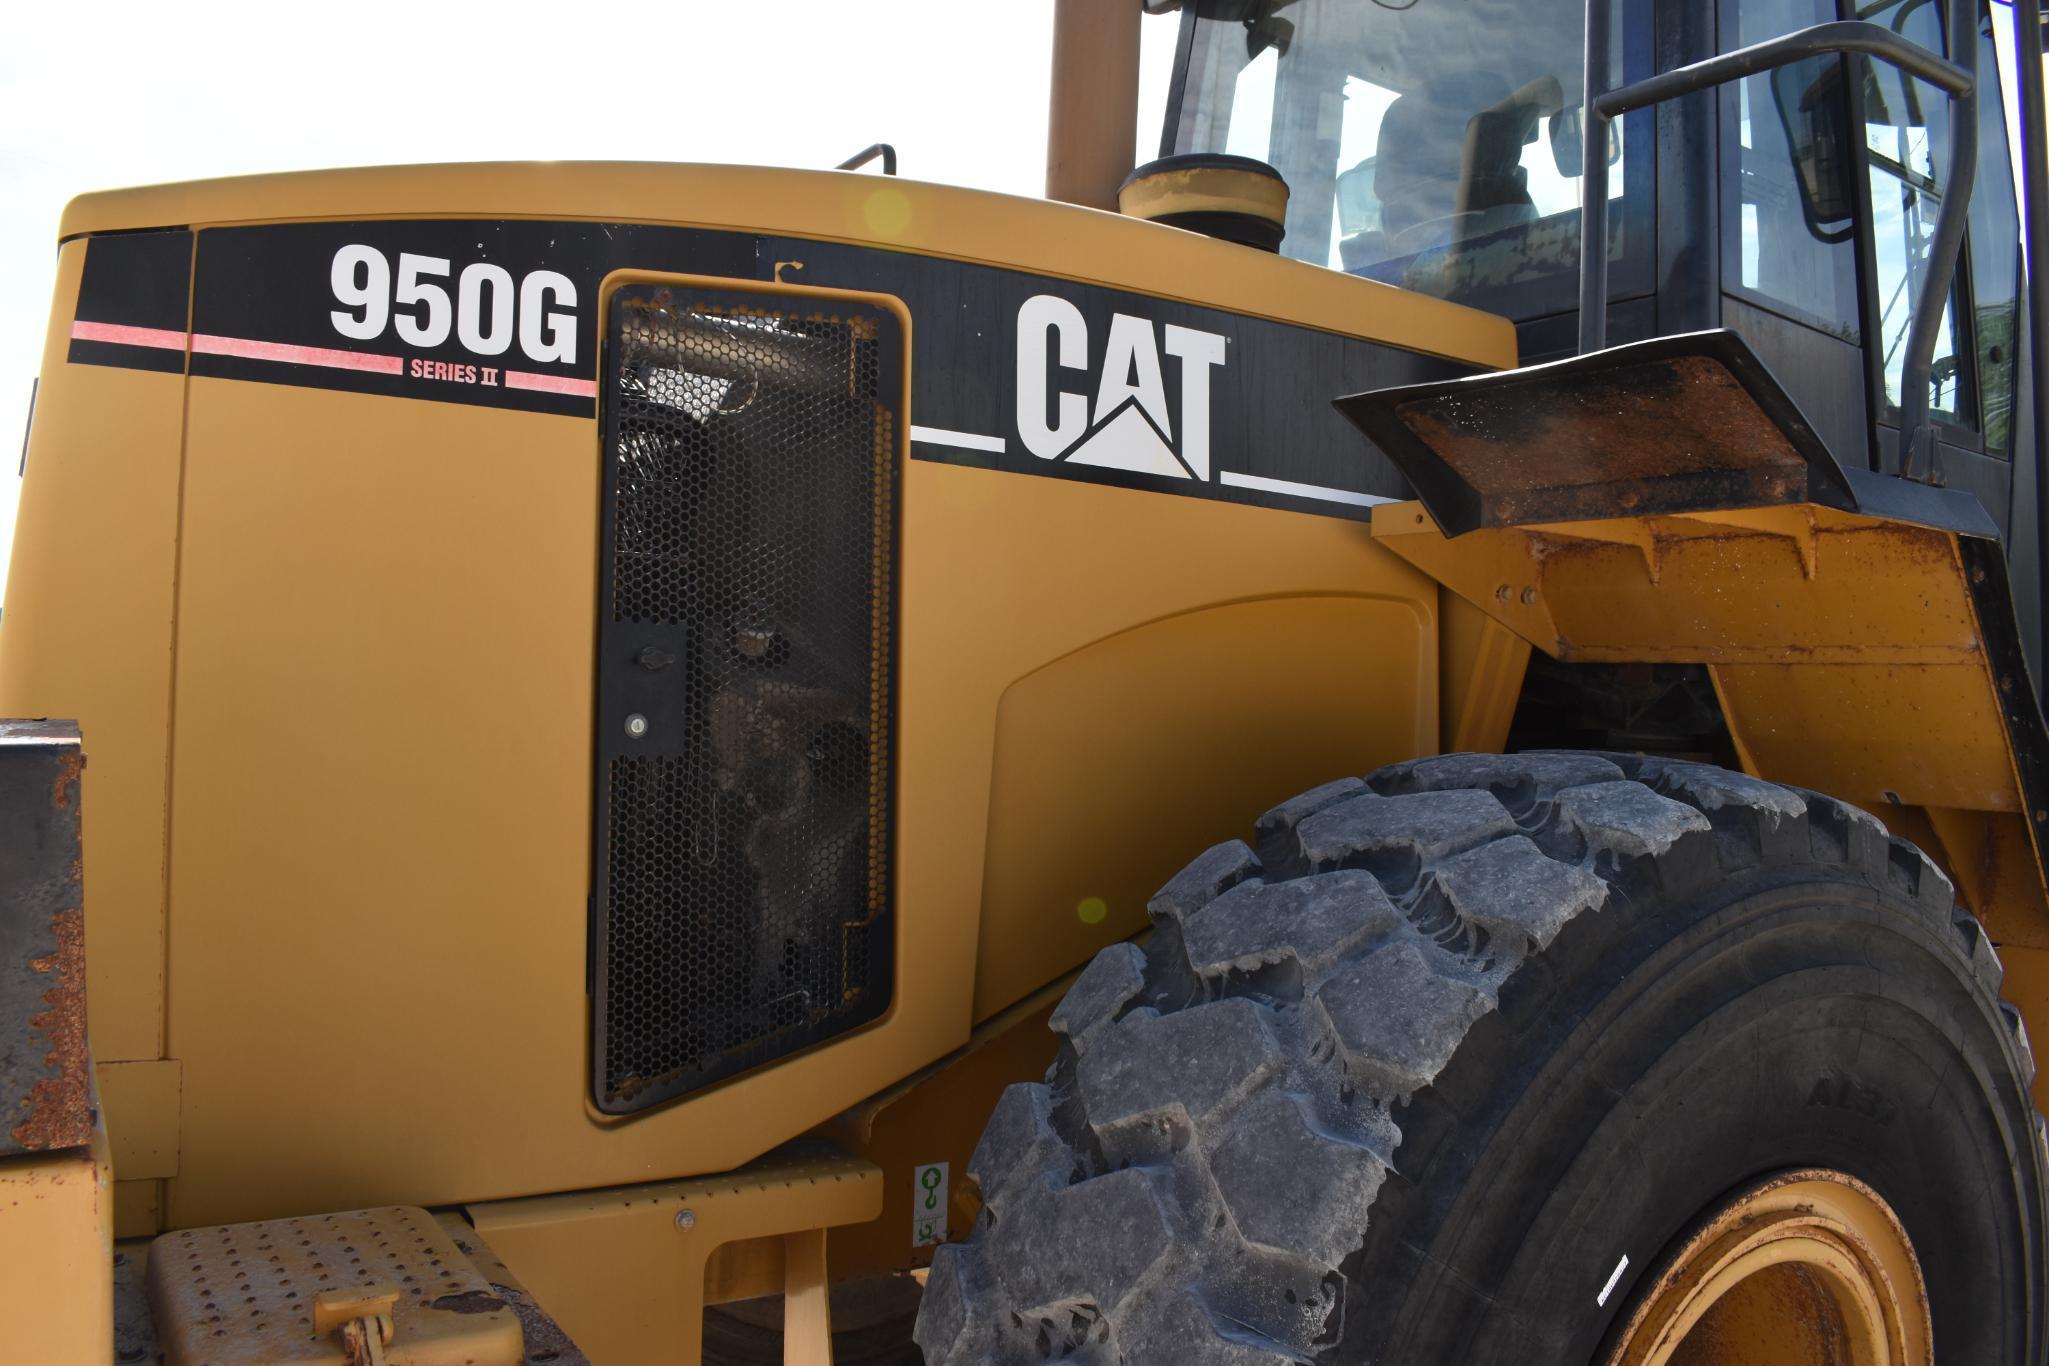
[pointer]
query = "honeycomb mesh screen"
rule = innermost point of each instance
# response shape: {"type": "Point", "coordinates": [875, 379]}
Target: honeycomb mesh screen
{"type": "Point", "coordinates": [746, 636]}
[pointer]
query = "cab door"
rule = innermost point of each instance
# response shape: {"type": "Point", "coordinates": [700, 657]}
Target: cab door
{"type": "Point", "coordinates": [1833, 174]}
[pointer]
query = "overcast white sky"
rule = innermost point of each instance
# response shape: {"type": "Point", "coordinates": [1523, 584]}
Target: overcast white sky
{"type": "Point", "coordinates": [166, 92]}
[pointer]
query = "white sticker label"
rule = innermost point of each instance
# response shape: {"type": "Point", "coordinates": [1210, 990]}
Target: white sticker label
{"type": "Point", "coordinates": [928, 1204]}
{"type": "Point", "coordinates": [1601, 1300]}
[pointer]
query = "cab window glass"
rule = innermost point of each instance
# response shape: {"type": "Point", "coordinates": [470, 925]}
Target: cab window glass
{"type": "Point", "coordinates": [1994, 255]}
{"type": "Point", "coordinates": [1789, 244]}
{"type": "Point", "coordinates": [1433, 144]}
{"type": "Point", "coordinates": [1906, 152]}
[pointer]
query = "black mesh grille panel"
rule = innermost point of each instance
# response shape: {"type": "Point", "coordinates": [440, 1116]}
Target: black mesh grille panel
{"type": "Point", "coordinates": [746, 636]}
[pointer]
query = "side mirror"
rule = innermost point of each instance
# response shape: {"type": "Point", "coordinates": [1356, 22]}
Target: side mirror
{"type": "Point", "coordinates": [1814, 114]}
{"type": "Point", "coordinates": [1568, 136]}
{"type": "Point", "coordinates": [1270, 32]}
{"type": "Point", "coordinates": [1263, 29]}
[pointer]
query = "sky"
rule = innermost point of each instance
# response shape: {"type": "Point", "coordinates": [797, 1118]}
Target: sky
{"type": "Point", "coordinates": [220, 87]}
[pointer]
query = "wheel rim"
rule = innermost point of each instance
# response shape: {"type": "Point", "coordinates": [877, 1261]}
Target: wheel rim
{"type": "Point", "coordinates": [1810, 1268]}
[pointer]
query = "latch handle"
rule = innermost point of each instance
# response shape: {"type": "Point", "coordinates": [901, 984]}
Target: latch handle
{"type": "Point", "coordinates": [362, 1317]}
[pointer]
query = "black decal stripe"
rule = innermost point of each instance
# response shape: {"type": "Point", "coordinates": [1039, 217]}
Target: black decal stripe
{"type": "Point", "coordinates": [126, 357]}
{"type": "Point", "coordinates": [266, 295]}
{"type": "Point", "coordinates": [1270, 417]}
{"type": "Point", "coordinates": [1216, 490]}
{"type": "Point", "coordinates": [138, 281]}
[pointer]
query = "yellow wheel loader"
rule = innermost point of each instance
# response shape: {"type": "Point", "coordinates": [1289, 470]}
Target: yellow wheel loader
{"type": "Point", "coordinates": [647, 726]}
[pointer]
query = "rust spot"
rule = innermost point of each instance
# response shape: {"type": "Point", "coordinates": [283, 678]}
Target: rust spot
{"type": "Point", "coordinates": [68, 769]}
{"type": "Point", "coordinates": [469, 1302]}
{"type": "Point", "coordinates": [60, 1107]}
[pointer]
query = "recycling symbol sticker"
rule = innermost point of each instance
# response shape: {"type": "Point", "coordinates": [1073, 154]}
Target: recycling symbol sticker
{"type": "Point", "coordinates": [928, 1204]}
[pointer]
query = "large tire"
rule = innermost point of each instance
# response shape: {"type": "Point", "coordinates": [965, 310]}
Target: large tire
{"type": "Point", "coordinates": [1408, 1083]}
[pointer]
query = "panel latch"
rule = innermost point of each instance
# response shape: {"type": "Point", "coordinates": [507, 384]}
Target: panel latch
{"type": "Point", "coordinates": [361, 1317]}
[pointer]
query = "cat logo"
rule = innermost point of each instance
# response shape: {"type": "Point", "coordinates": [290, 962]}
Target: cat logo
{"type": "Point", "coordinates": [1128, 426]}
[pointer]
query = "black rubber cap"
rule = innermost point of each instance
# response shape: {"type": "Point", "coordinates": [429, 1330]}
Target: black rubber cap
{"type": "Point", "coordinates": [1202, 161]}
{"type": "Point", "coordinates": [1246, 229]}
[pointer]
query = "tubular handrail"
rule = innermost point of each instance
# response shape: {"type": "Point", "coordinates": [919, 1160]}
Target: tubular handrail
{"type": "Point", "coordinates": [2034, 131]}
{"type": "Point", "coordinates": [1959, 82]}
{"type": "Point", "coordinates": [868, 154]}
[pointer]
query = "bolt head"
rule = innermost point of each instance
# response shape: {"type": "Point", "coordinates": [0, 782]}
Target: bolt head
{"type": "Point", "coordinates": [636, 725]}
{"type": "Point", "coordinates": [686, 1219]}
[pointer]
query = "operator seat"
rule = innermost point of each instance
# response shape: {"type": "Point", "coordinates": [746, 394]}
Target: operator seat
{"type": "Point", "coordinates": [1448, 164]}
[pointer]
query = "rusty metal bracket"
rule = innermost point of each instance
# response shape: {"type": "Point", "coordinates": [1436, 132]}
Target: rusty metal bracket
{"type": "Point", "coordinates": [56, 1220]}
{"type": "Point", "coordinates": [45, 1071]}
{"type": "Point", "coordinates": [1674, 425]}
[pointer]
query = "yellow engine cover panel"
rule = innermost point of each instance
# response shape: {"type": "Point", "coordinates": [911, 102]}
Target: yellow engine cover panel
{"type": "Point", "coordinates": [1127, 625]}
{"type": "Point", "coordinates": [1128, 756]}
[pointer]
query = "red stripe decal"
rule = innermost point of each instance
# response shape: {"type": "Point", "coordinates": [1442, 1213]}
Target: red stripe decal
{"type": "Point", "coordinates": [163, 339]}
{"type": "Point", "coordinates": [551, 384]}
{"type": "Point", "coordinates": [329, 357]}
{"type": "Point", "coordinates": [297, 355]}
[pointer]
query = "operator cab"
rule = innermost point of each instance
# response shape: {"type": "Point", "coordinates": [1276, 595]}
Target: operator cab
{"type": "Point", "coordinates": [1438, 146]}
{"type": "Point", "coordinates": [1432, 146]}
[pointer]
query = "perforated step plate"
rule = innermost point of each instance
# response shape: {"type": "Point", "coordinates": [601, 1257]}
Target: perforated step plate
{"type": "Point", "coordinates": [244, 1293]}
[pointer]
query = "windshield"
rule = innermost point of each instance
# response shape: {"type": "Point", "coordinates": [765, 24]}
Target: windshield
{"type": "Point", "coordinates": [1433, 144]}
